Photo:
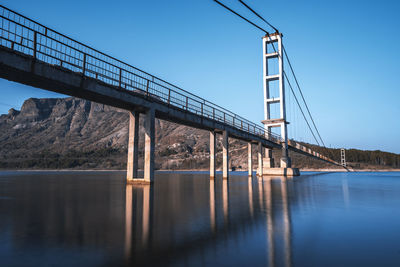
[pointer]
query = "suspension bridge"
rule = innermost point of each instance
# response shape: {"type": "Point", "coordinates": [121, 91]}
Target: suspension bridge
{"type": "Point", "coordinates": [35, 55]}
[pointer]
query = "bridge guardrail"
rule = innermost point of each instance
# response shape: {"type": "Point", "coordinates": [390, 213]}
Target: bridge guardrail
{"type": "Point", "coordinates": [44, 44]}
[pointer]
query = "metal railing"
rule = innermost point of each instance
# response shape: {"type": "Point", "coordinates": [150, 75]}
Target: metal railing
{"type": "Point", "coordinates": [24, 35]}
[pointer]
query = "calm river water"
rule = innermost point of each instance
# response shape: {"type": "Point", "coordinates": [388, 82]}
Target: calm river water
{"type": "Point", "coordinates": [184, 219]}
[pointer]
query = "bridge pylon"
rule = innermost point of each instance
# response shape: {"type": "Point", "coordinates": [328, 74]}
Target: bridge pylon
{"type": "Point", "coordinates": [343, 157]}
{"type": "Point", "coordinates": [274, 95]}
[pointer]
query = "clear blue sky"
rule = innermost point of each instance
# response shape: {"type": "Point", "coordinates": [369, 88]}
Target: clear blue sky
{"type": "Point", "coordinates": [345, 53]}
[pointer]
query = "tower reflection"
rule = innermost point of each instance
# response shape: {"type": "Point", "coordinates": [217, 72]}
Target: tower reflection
{"type": "Point", "coordinates": [278, 221]}
{"type": "Point", "coordinates": [286, 221]}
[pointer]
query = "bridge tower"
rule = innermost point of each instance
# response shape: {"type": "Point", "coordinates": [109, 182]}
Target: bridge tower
{"type": "Point", "coordinates": [274, 94]}
{"type": "Point", "coordinates": [343, 157]}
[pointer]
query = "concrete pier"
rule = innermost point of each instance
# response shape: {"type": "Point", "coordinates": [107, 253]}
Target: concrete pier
{"type": "Point", "coordinates": [268, 160]}
{"type": "Point", "coordinates": [225, 155]}
{"type": "Point", "coordinates": [132, 164]}
{"type": "Point", "coordinates": [250, 159]}
{"type": "Point", "coordinates": [212, 154]}
{"type": "Point", "coordinates": [285, 159]}
{"type": "Point", "coordinates": [149, 146]}
{"type": "Point", "coordinates": [260, 159]}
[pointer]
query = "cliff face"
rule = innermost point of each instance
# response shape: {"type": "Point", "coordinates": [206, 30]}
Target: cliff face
{"type": "Point", "coordinates": [70, 132]}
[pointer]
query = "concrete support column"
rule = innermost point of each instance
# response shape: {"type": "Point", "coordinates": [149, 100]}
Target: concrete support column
{"type": "Point", "coordinates": [260, 159]}
{"type": "Point", "coordinates": [212, 154]}
{"type": "Point", "coordinates": [149, 146]}
{"type": "Point", "coordinates": [250, 159]}
{"type": "Point", "coordinates": [225, 155]}
{"type": "Point", "coordinates": [285, 160]}
{"type": "Point", "coordinates": [268, 160]}
{"type": "Point", "coordinates": [132, 164]}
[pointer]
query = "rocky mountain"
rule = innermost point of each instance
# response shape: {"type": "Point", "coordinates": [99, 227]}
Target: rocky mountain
{"type": "Point", "coordinates": [75, 133]}
{"type": "Point", "coordinates": [60, 133]}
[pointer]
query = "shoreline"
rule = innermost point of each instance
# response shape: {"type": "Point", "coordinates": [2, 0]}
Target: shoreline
{"type": "Point", "coordinates": [194, 170]}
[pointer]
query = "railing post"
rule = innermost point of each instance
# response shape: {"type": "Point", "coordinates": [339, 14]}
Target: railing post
{"type": "Point", "coordinates": [213, 113]}
{"type": "Point", "coordinates": [169, 96]}
{"type": "Point", "coordinates": [120, 77]}
{"type": "Point", "coordinates": [187, 102]}
{"type": "Point", "coordinates": [34, 44]}
{"type": "Point", "coordinates": [233, 121]}
{"type": "Point", "coordinates": [224, 117]}
{"type": "Point", "coordinates": [147, 88]}
{"type": "Point", "coordinates": [84, 65]}
{"type": "Point", "coordinates": [201, 109]}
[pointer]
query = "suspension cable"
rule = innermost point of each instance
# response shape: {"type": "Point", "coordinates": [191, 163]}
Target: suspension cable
{"type": "Point", "coordinates": [301, 93]}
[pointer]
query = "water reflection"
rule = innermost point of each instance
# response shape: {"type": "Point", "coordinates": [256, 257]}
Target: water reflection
{"type": "Point", "coordinates": [212, 205]}
{"type": "Point", "coordinates": [250, 186]}
{"type": "Point", "coordinates": [267, 184]}
{"type": "Point", "coordinates": [140, 196]}
{"type": "Point", "coordinates": [93, 219]}
{"type": "Point", "coordinates": [286, 221]}
{"type": "Point", "coordinates": [345, 190]}
{"type": "Point", "coordinates": [225, 200]}
{"type": "Point", "coordinates": [273, 202]}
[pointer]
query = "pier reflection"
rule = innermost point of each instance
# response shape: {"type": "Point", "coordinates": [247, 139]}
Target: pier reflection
{"type": "Point", "coordinates": [137, 219]}
{"type": "Point", "coordinates": [231, 211]}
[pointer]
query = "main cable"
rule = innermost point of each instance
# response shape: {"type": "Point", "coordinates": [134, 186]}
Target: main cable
{"type": "Point", "coordinates": [237, 14]}
{"type": "Point", "coordinates": [291, 68]}
{"type": "Point", "coordinates": [301, 93]}
{"type": "Point", "coordinates": [252, 10]}
{"type": "Point", "coordinates": [290, 65]}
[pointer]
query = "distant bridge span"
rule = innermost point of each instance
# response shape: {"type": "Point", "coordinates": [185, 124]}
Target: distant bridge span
{"type": "Point", "coordinates": [36, 55]}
